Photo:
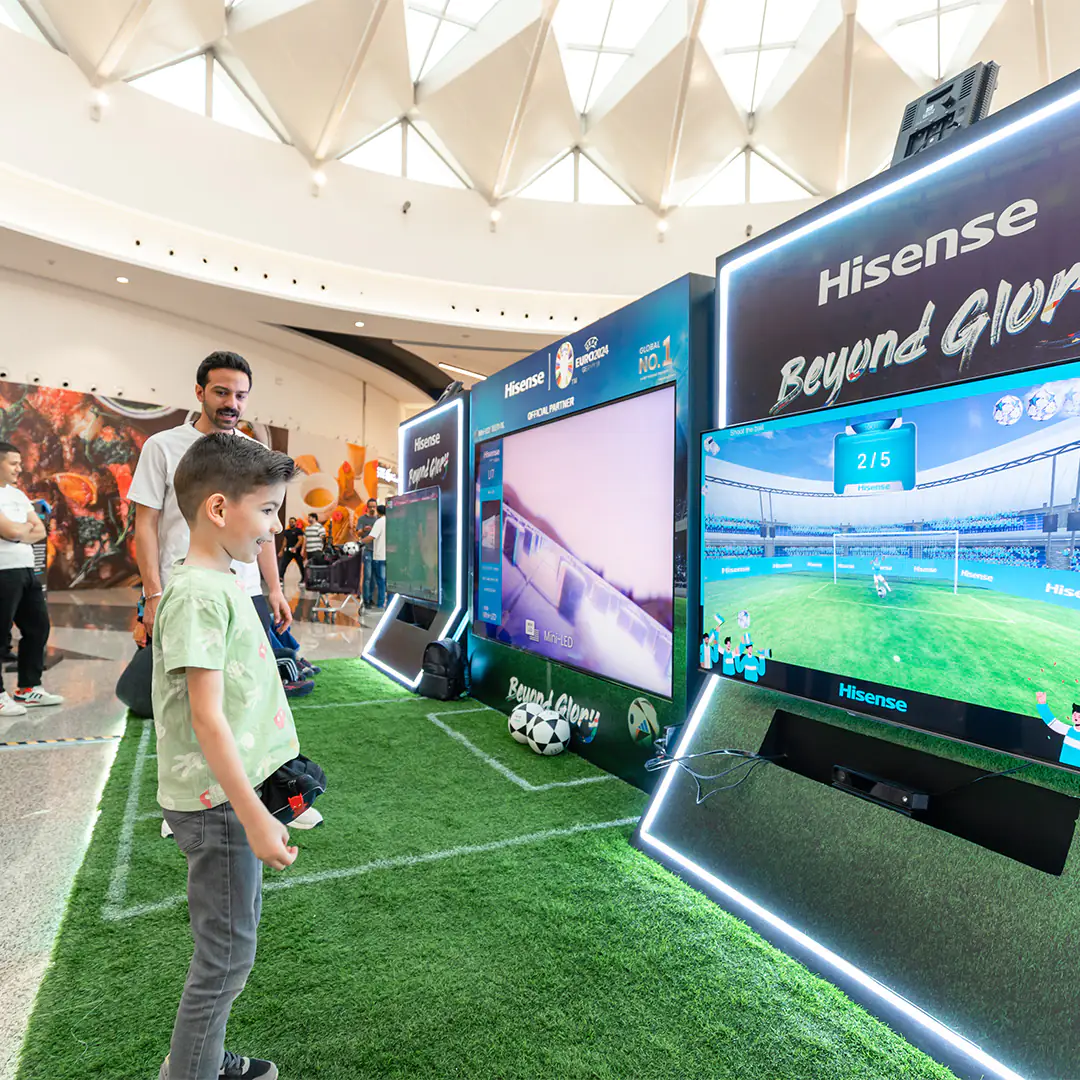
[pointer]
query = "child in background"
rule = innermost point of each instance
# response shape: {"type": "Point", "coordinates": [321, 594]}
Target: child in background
{"type": "Point", "coordinates": [223, 727]}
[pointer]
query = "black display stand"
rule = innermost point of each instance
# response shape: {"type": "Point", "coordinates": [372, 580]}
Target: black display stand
{"type": "Point", "coordinates": [1022, 821]}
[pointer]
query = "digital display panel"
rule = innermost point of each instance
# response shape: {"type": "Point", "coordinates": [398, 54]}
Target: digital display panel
{"type": "Point", "coordinates": [574, 551]}
{"type": "Point", "coordinates": [412, 545]}
{"type": "Point", "coordinates": [913, 558]}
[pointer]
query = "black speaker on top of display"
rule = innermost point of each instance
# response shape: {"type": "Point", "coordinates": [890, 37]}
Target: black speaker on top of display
{"type": "Point", "coordinates": [1072, 522]}
{"type": "Point", "coordinates": [763, 531]}
{"type": "Point", "coordinates": [1050, 523]}
{"type": "Point", "coordinates": [772, 532]}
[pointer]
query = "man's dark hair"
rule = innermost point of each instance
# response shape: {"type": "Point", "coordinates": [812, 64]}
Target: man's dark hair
{"type": "Point", "coordinates": [375, 501]}
{"type": "Point", "coordinates": [382, 510]}
{"type": "Point", "coordinates": [313, 517]}
{"type": "Point", "coordinates": [216, 361]}
{"type": "Point", "coordinates": [8, 448]}
{"type": "Point", "coordinates": [231, 465]}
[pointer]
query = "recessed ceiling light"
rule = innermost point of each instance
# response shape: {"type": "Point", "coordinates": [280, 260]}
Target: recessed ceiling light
{"type": "Point", "coordinates": [358, 323]}
{"type": "Point", "coordinates": [121, 281]}
{"type": "Point", "coordinates": [463, 371]}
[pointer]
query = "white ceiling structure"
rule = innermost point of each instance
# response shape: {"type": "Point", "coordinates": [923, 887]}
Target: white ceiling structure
{"type": "Point", "coordinates": [664, 103]}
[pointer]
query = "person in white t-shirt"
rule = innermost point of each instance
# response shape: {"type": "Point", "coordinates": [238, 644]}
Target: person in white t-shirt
{"type": "Point", "coordinates": [223, 383]}
{"type": "Point", "coordinates": [22, 600]}
{"type": "Point", "coordinates": [376, 539]}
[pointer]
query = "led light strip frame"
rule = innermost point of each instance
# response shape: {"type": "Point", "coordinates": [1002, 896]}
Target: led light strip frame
{"type": "Point", "coordinates": [455, 623]}
{"type": "Point", "coordinates": [830, 961]}
{"type": "Point", "coordinates": [1037, 116]}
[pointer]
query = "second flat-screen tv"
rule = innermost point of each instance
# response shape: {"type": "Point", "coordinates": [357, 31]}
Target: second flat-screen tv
{"type": "Point", "coordinates": [913, 559]}
{"type": "Point", "coordinates": [412, 545]}
{"type": "Point", "coordinates": [574, 540]}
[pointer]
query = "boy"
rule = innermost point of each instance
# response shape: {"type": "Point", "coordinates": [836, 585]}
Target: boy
{"type": "Point", "coordinates": [223, 727]}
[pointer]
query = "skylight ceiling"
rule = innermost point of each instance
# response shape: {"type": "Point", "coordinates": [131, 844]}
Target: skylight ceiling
{"type": "Point", "coordinates": [434, 27]}
{"type": "Point", "coordinates": [659, 102]}
{"type": "Point", "coordinates": [596, 37]}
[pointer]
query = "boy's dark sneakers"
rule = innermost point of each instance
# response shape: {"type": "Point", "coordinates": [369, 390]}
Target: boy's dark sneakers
{"type": "Point", "coordinates": [235, 1067]}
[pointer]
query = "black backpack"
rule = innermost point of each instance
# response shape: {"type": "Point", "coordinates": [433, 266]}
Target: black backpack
{"type": "Point", "coordinates": [446, 670]}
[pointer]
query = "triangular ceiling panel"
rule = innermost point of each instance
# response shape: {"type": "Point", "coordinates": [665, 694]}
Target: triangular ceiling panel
{"type": "Point", "coordinates": [803, 129]}
{"type": "Point", "coordinates": [171, 28]}
{"type": "Point", "coordinates": [477, 124]}
{"type": "Point", "coordinates": [1013, 35]}
{"type": "Point", "coordinates": [334, 71]}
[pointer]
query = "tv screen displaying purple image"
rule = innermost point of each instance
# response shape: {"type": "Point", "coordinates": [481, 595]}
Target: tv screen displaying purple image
{"type": "Point", "coordinates": [575, 540]}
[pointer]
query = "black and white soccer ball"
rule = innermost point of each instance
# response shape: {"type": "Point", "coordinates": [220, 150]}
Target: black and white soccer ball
{"type": "Point", "coordinates": [350, 547]}
{"type": "Point", "coordinates": [548, 733]}
{"type": "Point", "coordinates": [520, 719]}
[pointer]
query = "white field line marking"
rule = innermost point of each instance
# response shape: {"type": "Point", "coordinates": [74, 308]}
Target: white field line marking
{"type": "Point", "coordinates": [984, 604]}
{"type": "Point", "coordinates": [114, 903]}
{"type": "Point", "coordinates": [449, 853]}
{"type": "Point", "coordinates": [499, 767]}
{"type": "Point", "coordinates": [400, 862]}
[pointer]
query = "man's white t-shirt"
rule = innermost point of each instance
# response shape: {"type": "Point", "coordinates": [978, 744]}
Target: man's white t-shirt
{"type": "Point", "coordinates": [378, 530]}
{"type": "Point", "coordinates": [16, 507]}
{"type": "Point", "coordinates": [152, 486]}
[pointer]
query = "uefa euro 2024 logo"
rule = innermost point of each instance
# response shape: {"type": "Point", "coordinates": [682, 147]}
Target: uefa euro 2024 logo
{"type": "Point", "coordinates": [564, 365]}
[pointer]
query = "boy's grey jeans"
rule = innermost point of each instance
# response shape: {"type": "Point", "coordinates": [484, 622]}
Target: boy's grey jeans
{"type": "Point", "coordinates": [224, 902]}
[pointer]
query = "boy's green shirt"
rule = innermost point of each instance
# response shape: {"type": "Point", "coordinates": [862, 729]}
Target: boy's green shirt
{"type": "Point", "coordinates": [207, 620]}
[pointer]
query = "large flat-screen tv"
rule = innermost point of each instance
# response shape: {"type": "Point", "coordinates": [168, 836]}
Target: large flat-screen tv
{"type": "Point", "coordinates": [913, 559]}
{"type": "Point", "coordinates": [412, 545]}
{"type": "Point", "coordinates": [574, 540]}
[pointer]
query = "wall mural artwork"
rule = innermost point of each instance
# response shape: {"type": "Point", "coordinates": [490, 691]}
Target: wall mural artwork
{"type": "Point", "coordinates": [79, 454]}
{"type": "Point", "coordinates": [338, 498]}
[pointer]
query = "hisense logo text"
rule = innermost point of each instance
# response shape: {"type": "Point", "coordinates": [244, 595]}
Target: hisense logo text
{"type": "Point", "coordinates": [1062, 590]}
{"type": "Point", "coordinates": [853, 693]}
{"type": "Point", "coordinates": [854, 275]}
{"type": "Point", "coordinates": [512, 388]}
{"type": "Point", "coordinates": [425, 442]}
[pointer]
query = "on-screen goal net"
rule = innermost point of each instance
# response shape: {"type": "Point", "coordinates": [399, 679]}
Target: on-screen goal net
{"type": "Point", "coordinates": [928, 556]}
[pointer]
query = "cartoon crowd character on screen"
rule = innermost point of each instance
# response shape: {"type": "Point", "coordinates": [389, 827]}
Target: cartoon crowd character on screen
{"type": "Point", "coordinates": [728, 658]}
{"type": "Point", "coordinates": [705, 653]}
{"type": "Point", "coordinates": [752, 667]}
{"type": "Point", "coordinates": [714, 645]}
{"type": "Point", "coordinates": [1070, 747]}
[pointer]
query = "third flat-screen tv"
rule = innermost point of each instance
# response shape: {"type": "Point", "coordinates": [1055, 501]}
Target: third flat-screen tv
{"type": "Point", "coordinates": [574, 540]}
{"type": "Point", "coordinates": [914, 559]}
{"type": "Point", "coordinates": [412, 545]}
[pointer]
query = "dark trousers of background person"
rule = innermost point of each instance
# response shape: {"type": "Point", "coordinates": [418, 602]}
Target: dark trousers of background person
{"type": "Point", "coordinates": [22, 603]}
{"type": "Point", "coordinates": [369, 576]}
{"type": "Point", "coordinates": [379, 567]}
{"type": "Point", "coordinates": [285, 559]}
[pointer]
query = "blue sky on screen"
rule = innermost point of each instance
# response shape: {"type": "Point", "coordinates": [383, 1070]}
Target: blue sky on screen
{"type": "Point", "coordinates": [948, 431]}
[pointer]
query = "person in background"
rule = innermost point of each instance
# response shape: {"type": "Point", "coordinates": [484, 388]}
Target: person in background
{"type": "Point", "coordinates": [22, 600]}
{"type": "Point", "coordinates": [364, 525]}
{"type": "Point", "coordinates": [314, 537]}
{"type": "Point", "coordinates": [223, 728]}
{"type": "Point", "coordinates": [292, 550]}
{"type": "Point", "coordinates": [376, 539]}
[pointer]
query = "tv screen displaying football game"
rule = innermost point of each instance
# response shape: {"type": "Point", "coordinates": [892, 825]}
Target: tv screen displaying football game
{"type": "Point", "coordinates": [913, 558]}
{"type": "Point", "coordinates": [574, 543]}
{"type": "Point", "coordinates": [412, 545]}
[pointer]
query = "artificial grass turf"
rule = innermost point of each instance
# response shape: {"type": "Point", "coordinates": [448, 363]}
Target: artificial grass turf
{"type": "Point", "coordinates": [570, 956]}
{"type": "Point", "coordinates": [922, 637]}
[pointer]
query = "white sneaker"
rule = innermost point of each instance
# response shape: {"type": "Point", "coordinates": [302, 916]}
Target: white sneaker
{"type": "Point", "coordinates": [37, 698]}
{"type": "Point", "coordinates": [166, 832]}
{"type": "Point", "coordinates": [9, 707]}
{"type": "Point", "coordinates": [307, 820]}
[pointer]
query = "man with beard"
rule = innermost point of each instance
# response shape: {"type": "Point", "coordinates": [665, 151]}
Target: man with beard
{"type": "Point", "coordinates": [223, 383]}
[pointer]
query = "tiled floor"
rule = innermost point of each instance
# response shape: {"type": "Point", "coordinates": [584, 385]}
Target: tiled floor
{"type": "Point", "coordinates": [47, 824]}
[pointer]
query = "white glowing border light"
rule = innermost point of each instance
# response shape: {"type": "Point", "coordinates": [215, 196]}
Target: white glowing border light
{"type": "Point", "coordinates": [391, 613]}
{"type": "Point", "coordinates": [827, 957]}
{"type": "Point", "coordinates": [1067, 101]}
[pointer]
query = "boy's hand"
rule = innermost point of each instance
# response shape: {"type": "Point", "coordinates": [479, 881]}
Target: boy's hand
{"type": "Point", "coordinates": [269, 839]}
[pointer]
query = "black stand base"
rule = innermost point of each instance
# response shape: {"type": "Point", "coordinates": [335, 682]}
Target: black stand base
{"type": "Point", "coordinates": [1019, 820]}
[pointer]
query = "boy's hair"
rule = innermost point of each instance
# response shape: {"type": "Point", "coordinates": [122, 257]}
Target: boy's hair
{"type": "Point", "coordinates": [222, 359]}
{"type": "Point", "coordinates": [8, 448]}
{"type": "Point", "coordinates": [381, 510]}
{"type": "Point", "coordinates": [231, 465]}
